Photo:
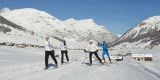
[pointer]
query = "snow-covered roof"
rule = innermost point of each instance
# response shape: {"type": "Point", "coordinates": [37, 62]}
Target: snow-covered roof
{"type": "Point", "coordinates": [142, 55]}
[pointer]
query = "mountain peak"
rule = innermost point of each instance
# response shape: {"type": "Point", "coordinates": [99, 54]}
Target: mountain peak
{"type": "Point", "coordinates": [5, 9]}
{"type": "Point", "coordinates": [27, 11]}
{"type": "Point", "coordinates": [83, 20]}
{"type": "Point", "coordinates": [152, 20]}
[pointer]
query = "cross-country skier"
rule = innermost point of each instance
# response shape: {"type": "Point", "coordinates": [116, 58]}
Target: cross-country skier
{"type": "Point", "coordinates": [104, 45]}
{"type": "Point", "coordinates": [63, 46]}
{"type": "Point", "coordinates": [49, 51]}
{"type": "Point", "coordinates": [92, 49]}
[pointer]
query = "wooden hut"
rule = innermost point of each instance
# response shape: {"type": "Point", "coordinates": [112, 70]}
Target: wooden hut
{"type": "Point", "coordinates": [142, 57]}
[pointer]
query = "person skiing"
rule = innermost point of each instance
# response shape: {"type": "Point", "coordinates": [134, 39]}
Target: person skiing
{"type": "Point", "coordinates": [63, 47]}
{"type": "Point", "coordinates": [49, 51]}
{"type": "Point", "coordinates": [105, 46]}
{"type": "Point", "coordinates": [92, 49]}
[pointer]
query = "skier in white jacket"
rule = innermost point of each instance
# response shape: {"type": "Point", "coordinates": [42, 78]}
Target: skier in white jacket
{"type": "Point", "coordinates": [92, 49]}
{"type": "Point", "coordinates": [49, 51]}
{"type": "Point", "coordinates": [63, 46]}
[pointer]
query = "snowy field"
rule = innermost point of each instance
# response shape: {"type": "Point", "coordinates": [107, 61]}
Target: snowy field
{"type": "Point", "coordinates": [28, 64]}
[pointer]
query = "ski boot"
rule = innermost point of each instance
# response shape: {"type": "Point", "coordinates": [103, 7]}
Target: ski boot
{"type": "Point", "coordinates": [104, 61]}
{"type": "Point", "coordinates": [110, 61]}
{"type": "Point", "coordinates": [56, 66]}
{"type": "Point", "coordinates": [45, 68]}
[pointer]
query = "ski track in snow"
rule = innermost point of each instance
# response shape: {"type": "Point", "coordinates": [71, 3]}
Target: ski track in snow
{"type": "Point", "coordinates": [28, 64]}
{"type": "Point", "coordinates": [148, 68]}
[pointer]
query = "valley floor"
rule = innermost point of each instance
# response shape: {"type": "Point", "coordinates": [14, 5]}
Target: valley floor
{"type": "Point", "coordinates": [28, 64]}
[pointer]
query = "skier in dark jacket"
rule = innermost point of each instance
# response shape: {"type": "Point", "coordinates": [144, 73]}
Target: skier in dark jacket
{"type": "Point", "coordinates": [105, 46]}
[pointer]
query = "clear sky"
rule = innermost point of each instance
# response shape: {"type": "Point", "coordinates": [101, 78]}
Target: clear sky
{"type": "Point", "coordinates": [117, 15]}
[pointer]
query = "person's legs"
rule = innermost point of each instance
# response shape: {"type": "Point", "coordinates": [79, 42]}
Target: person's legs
{"type": "Point", "coordinates": [96, 54]}
{"type": "Point", "coordinates": [66, 53]}
{"type": "Point", "coordinates": [109, 57]}
{"type": "Point", "coordinates": [53, 57]}
{"type": "Point", "coordinates": [46, 58]}
{"type": "Point", "coordinates": [90, 57]}
{"type": "Point", "coordinates": [62, 54]}
{"type": "Point", "coordinates": [103, 53]}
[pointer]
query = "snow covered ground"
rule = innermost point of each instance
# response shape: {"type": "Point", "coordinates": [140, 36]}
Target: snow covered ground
{"type": "Point", "coordinates": [28, 64]}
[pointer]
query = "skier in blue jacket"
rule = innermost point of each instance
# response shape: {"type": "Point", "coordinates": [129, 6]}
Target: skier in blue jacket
{"type": "Point", "coordinates": [105, 46]}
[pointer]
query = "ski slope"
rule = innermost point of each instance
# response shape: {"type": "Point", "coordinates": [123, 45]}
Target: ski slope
{"type": "Point", "coordinates": [28, 64]}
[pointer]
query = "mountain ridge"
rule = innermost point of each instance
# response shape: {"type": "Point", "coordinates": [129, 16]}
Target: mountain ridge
{"type": "Point", "coordinates": [44, 23]}
{"type": "Point", "coordinates": [146, 31]}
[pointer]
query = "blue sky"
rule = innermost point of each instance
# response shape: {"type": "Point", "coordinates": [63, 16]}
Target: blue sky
{"type": "Point", "coordinates": [117, 15]}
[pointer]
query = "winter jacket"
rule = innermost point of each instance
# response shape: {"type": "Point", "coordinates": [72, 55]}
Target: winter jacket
{"type": "Point", "coordinates": [105, 47]}
{"type": "Point", "coordinates": [92, 48]}
{"type": "Point", "coordinates": [63, 47]}
{"type": "Point", "coordinates": [48, 46]}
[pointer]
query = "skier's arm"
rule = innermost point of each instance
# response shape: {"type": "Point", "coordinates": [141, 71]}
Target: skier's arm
{"type": "Point", "coordinates": [66, 46]}
{"type": "Point", "coordinates": [87, 48]}
{"type": "Point", "coordinates": [100, 44]}
{"type": "Point", "coordinates": [50, 44]}
{"type": "Point", "coordinates": [96, 47]}
{"type": "Point", "coordinates": [107, 46]}
{"type": "Point", "coordinates": [61, 45]}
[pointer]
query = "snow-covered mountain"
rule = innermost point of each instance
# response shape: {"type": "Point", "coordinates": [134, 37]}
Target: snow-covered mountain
{"type": "Point", "coordinates": [13, 33]}
{"type": "Point", "coordinates": [42, 23]}
{"type": "Point", "coordinates": [144, 35]}
{"type": "Point", "coordinates": [85, 29]}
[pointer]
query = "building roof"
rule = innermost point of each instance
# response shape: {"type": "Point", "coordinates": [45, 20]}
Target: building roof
{"type": "Point", "coordinates": [142, 55]}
